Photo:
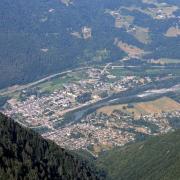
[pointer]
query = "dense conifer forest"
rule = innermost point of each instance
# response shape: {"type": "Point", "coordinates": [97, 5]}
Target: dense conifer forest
{"type": "Point", "coordinates": [25, 155]}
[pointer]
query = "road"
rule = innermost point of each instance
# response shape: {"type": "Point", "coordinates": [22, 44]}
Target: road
{"type": "Point", "coordinates": [105, 68]}
{"type": "Point", "coordinates": [14, 89]}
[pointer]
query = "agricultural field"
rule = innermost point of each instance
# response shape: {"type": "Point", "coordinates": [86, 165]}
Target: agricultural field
{"type": "Point", "coordinates": [164, 104]}
{"type": "Point", "coordinates": [132, 51]}
{"type": "Point", "coordinates": [160, 11]}
{"type": "Point", "coordinates": [58, 83]}
{"type": "Point", "coordinates": [119, 72]}
{"type": "Point", "coordinates": [153, 71]}
{"type": "Point", "coordinates": [127, 22]}
{"type": "Point", "coordinates": [110, 109]}
{"type": "Point", "coordinates": [141, 34]}
{"type": "Point", "coordinates": [173, 32]}
{"type": "Point", "coordinates": [123, 21]}
{"type": "Point", "coordinates": [164, 61]}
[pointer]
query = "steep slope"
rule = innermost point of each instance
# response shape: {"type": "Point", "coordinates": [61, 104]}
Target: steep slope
{"type": "Point", "coordinates": [25, 155]}
{"type": "Point", "coordinates": [155, 159]}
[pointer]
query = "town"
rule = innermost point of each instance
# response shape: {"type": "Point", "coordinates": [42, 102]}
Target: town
{"type": "Point", "coordinates": [100, 130]}
{"type": "Point", "coordinates": [44, 110]}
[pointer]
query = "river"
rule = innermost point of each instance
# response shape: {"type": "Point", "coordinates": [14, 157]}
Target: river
{"type": "Point", "coordinates": [141, 93]}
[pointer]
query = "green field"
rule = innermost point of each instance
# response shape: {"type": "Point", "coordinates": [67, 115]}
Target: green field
{"type": "Point", "coordinates": [58, 83]}
{"type": "Point", "coordinates": [144, 71]}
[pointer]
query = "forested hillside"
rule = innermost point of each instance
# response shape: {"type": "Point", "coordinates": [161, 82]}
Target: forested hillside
{"type": "Point", "coordinates": [36, 42]}
{"type": "Point", "coordinates": [25, 155]}
{"type": "Point", "coordinates": [158, 158]}
{"type": "Point", "coordinates": [43, 37]}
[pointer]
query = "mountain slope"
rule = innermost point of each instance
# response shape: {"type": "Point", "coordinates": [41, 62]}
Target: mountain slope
{"type": "Point", "coordinates": [158, 158]}
{"type": "Point", "coordinates": [25, 155]}
{"type": "Point", "coordinates": [46, 27]}
{"type": "Point", "coordinates": [39, 38]}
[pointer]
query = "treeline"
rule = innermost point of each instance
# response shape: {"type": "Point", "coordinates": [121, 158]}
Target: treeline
{"type": "Point", "coordinates": [25, 155]}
